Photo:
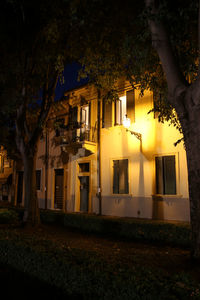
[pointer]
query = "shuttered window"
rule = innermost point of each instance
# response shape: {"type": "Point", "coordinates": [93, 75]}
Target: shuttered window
{"type": "Point", "coordinates": [130, 105]}
{"type": "Point", "coordinates": [120, 176]}
{"type": "Point", "coordinates": [73, 114]}
{"type": "Point", "coordinates": [73, 122]}
{"type": "Point", "coordinates": [38, 179]}
{"type": "Point", "coordinates": [107, 114]}
{"type": "Point", "coordinates": [165, 175]}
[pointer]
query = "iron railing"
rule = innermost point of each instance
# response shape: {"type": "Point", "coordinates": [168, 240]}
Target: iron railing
{"type": "Point", "coordinates": [77, 135]}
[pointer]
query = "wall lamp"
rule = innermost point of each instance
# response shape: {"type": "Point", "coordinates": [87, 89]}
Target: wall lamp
{"type": "Point", "coordinates": [127, 124]}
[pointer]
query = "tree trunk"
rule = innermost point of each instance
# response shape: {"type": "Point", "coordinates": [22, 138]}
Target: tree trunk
{"type": "Point", "coordinates": [185, 98]}
{"type": "Point", "coordinates": [191, 130]}
{"type": "Point", "coordinates": [31, 214]}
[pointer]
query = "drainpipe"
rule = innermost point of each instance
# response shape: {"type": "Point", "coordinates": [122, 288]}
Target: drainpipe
{"type": "Point", "coordinates": [99, 151]}
{"type": "Point", "coordinates": [46, 165]}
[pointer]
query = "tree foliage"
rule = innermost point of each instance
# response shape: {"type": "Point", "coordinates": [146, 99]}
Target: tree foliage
{"type": "Point", "coordinates": [35, 47]}
{"type": "Point", "coordinates": [116, 42]}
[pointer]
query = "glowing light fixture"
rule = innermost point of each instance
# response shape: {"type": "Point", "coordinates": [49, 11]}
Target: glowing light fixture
{"type": "Point", "coordinates": [127, 124]}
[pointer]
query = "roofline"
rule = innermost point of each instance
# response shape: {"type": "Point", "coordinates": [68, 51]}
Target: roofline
{"type": "Point", "coordinates": [77, 88]}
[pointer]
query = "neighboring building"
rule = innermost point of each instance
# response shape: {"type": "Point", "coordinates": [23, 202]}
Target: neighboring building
{"type": "Point", "coordinates": [6, 177]}
{"type": "Point", "coordinates": [132, 171]}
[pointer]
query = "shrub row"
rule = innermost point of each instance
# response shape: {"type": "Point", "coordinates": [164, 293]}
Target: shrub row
{"type": "Point", "coordinates": [84, 275]}
{"type": "Point", "coordinates": [123, 228]}
{"type": "Point", "coordinates": [175, 234]}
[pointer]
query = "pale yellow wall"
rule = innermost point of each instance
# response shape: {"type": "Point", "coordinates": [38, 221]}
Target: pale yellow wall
{"type": "Point", "coordinates": [157, 139]}
{"type": "Point", "coordinates": [118, 143]}
{"type": "Point", "coordinates": [74, 172]}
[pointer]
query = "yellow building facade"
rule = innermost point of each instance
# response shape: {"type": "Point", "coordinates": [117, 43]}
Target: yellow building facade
{"type": "Point", "coordinates": [112, 158]}
{"type": "Point", "coordinates": [7, 177]}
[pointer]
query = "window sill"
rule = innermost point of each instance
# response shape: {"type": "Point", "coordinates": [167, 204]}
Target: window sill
{"type": "Point", "coordinates": [160, 196]}
{"type": "Point", "coordinates": [121, 195]}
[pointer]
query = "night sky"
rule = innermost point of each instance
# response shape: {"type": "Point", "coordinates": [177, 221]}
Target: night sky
{"type": "Point", "coordinates": [71, 80]}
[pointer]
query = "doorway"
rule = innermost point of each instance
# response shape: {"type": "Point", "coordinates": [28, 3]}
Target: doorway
{"type": "Point", "coordinates": [58, 194]}
{"type": "Point", "coordinates": [84, 193]}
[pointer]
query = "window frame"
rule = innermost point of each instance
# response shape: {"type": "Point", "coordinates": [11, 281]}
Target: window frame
{"type": "Point", "coordinates": [118, 112]}
{"type": "Point", "coordinates": [113, 174]}
{"type": "Point", "coordinates": [177, 174]}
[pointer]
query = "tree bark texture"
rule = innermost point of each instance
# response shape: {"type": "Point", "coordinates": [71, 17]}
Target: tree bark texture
{"type": "Point", "coordinates": [191, 131]}
{"type": "Point", "coordinates": [27, 137]}
{"type": "Point", "coordinates": [185, 98]}
{"type": "Point", "coordinates": [31, 214]}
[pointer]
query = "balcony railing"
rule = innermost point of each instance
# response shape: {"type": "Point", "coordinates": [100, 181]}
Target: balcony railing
{"type": "Point", "coordinates": [78, 135]}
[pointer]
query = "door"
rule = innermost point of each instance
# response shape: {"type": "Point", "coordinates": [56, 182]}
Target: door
{"type": "Point", "coordinates": [84, 193]}
{"type": "Point", "coordinates": [20, 187]}
{"type": "Point", "coordinates": [58, 196]}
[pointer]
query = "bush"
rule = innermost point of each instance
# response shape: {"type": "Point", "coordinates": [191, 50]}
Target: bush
{"type": "Point", "coordinates": [8, 216]}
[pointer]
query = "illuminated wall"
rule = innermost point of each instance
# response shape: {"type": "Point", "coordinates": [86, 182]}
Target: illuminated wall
{"type": "Point", "coordinates": [120, 147]}
{"type": "Point", "coordinates": [157, 140]}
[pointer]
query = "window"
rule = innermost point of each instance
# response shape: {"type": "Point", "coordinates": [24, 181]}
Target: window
{"type": "Point", "coordinates": [120, 176]}
{"type": "Point", "coordinates": [165, 175]}
{"type": "Point", "coordinates": [84, 167]}
{"type": "Point", "coordinates": [118, 112]}
{"type": "Point", "coordinates": [85, 121]}
{"type": "Point", "coordinates": [107, 114]}
{"type": "Point", "coordinates": [59, 130]}
{"type": "Point", "coordinates": [38, 179]}
{"type": "Point", "coordinates": [85, 116]}
{"type": "Point", "coordinates": [130, 105]}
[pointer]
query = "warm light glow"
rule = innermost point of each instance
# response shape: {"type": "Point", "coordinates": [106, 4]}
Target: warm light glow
{"type": "Point", "coordinates": [126, 122]}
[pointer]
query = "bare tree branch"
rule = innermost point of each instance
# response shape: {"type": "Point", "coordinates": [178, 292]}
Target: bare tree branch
{"type": "Point", "coordinates": [48, 98]}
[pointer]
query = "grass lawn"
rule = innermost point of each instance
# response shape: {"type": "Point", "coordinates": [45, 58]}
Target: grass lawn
{"type": "Point", "coordinates": [66, 264]}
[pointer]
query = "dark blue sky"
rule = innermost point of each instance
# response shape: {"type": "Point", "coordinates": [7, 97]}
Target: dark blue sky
{"type": "Point", "coordinates": [71, 80]}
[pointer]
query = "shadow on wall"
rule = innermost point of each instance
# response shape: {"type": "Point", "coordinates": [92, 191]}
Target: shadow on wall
{"type": "Point", "coordinates": [158, 208]}
{"type": "Point", "coordinates": [73, 202]}
{"type": "Point", "coordinates": [141, 188]}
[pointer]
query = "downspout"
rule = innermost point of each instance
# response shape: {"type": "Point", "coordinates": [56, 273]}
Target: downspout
{"type": "Point", "coordinates": [99, 151]}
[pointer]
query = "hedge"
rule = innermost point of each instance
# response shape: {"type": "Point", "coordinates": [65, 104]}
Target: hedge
{"type": "Point", "coordinates": [143, 230]}
{"type": "Point", "coordinates": [177, 234]}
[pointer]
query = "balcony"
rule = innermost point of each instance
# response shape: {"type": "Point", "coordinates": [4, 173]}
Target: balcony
{"type": "Point", "coordinates": [79, 138]}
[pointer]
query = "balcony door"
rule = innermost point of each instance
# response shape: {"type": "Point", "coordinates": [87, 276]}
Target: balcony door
{"type": "Point", "coordinates": [85, 121]}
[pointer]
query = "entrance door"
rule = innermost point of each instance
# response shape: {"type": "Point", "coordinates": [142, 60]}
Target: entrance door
{"type": "Point", "coordinates": [20, 187]}
{"type": "Point", "coordinates": [84, 193]}
{"type": "Point", "coordinates": [58, 196]}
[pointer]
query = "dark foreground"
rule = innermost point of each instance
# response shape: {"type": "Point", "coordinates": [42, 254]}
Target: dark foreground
{"type": "Point", "coordinates": [18, 284]}
{"type": "Point", "coordinates": [109, 258]}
